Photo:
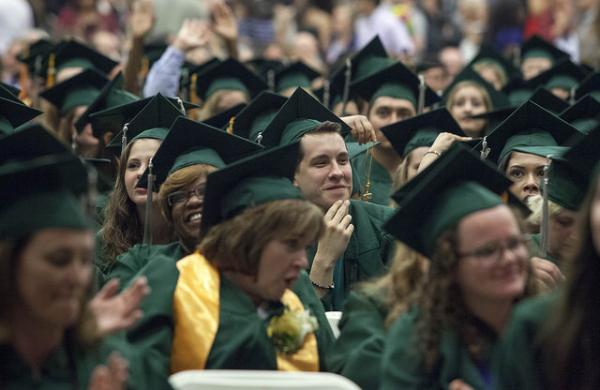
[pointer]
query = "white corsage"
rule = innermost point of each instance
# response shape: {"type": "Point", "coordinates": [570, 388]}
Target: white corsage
{"type": "Point", "coordinates": [288, 330]}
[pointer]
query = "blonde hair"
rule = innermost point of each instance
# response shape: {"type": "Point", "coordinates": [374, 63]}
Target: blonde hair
{"type": "Point", "coordinates": [209, 108]}
{"type": "Point", "coordinates": [467, 83]}
{"type": "Point", "coordinates": [535, 204]}
{"type": "Point", "coordinates": [502, 77]}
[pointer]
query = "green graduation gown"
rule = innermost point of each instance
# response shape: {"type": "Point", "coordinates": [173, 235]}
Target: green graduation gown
{"type": "Point", "coordinates": [518, 365]}
{"type": "Point", "coordinates": [357, 352]}
{"type": "Point", "coordinates": [381, 181]}
{"type": "Point", "coordinates": [131, 262]}
{"type": "Point", "coordinates": [367, 254]}
{"type": "Point", "coordinates": [71, 368]}
{"type": "Point", "coordinates": [240, 342]}
{"type": "Point", "coordinates": [402, 363]}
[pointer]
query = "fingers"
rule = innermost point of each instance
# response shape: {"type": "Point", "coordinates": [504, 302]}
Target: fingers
{"type": "Point", "coordinates": [332, 210]}
{"type": "Point", "coordinates": [118, 369]}
{"type": "Point", "coordinates": [547, 272]}
{"type": "Point", "coordinates": [109, 289]}
{"type": "Point", "coordinates": [340, 213]}
{"type": "Point", "coordinates": [100, 379]}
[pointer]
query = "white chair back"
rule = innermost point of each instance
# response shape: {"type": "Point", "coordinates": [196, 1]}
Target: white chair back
{"type": "Point", "coordinates": [270, 380]}
{"type": "Point", "coordinates": [334, 317]}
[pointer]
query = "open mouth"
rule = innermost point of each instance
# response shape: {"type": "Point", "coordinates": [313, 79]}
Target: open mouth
{"type": "Point", "coordinates": [194, 217]}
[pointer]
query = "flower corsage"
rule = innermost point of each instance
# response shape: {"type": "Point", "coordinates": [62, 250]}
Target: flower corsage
{"type": "Point", "coordinates": [288, 330]}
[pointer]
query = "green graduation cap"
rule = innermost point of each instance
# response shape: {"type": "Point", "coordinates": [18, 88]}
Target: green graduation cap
{"type": "Point", "coordinates": [518, 91]}
{"type": "Point", "coordinates": [295, 75]}
{"type": "Point", "coordinates": [583, 156]}
{"type": "Point", "coordinates": [191, 143]}
{"type": "Point", "coordinates": [538, 47]}
{"type": "Point", "coordinates": [529, 125]}
{"type": "Point", "coordinates": [113, 119]}
{"type": "Point", "coordinates": [189, 76]}
{"type": "Point", "coordinates": [31, 142]}
{"type": "Point", "coordinates": [541, 96]}
{"type": "Point", "coordinates": [421, 130]}
{"type": "Point", "coordinates": [13, 114]}
{"type": "Point", "coordinates": [9, 92]}
{"type": "Point", "coordinates": [299, 115]}
{"type": "Point", "coordinates": [591, 85]}
{"type": "Point", "coordinates": [36, 57]}
{"type": "Point", "coordinates": [396, 81]}
{"type": "Point", "coordinates": [228, 75]}
{"type": "Point", "coordinates": [45, 191]}
{"type": "Point", "coordinates": [264, 177]}
{"type": "Point", "coordinates": [451, 188]}
{"type": "Point", "coordinates": [111, 95]}
{"type": "Point", "coordinates": [79, 90]}
{"type": "Point", "coordinates": [73, 54]}
{"type": "Point", "coordinates": [255, 117]}
{"type": "Point", "coordinates": [584, 115]}
{"type": "Point", "coordinates": [566, 185]}
{"type": "Point", "coordinates": [370, 59]}
{"type": "Point", "coordinates": [153, 121]}
{"type": "Point", "coordinates": [488, 54]}
{"type": "Point", "coordinates": [564, 75]}
{"type": "Point", "coordinates": [263, 66]}
{"type": "Point", "coordinates": [498, 99]}
{"type": "Point", "coordinates": [223, 119]}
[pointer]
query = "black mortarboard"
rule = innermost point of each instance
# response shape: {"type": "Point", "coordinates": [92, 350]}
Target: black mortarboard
{"type": "Point", "coordinates": [295, 75]}
{"type": "Point", "coordinates": [497, 98]}
{"type": "Point", "coordinates": [222, 119]}
{"type": "Point", "coordinates": [255, 117]}
{"type": "Point", "coordinates": [73, 54]}
{"type": "Point", "coordinates": [584, 115]}
{"type": "Point", "coordinates": [537, 46]}
{"type": "Point", "coordinates": [79, 90]}
{"type": "Point", "coordinates": [13, 114]}
{"type": "Point", "coordinates": [228, 75]}
{"type": "Point", "coordinates": [591, 85]}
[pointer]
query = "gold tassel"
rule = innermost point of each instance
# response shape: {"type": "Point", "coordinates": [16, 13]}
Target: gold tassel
{"type": "Point", "coordinates": [51, 76]}
{"type": "Point", "coordinates": [230, 125]}
{"type": "Point", "coordinates": [193, 96]}
{"type": "Point", "coordinates": [366, 194]}
{"type": "Point", "coordinates": [24, 83]}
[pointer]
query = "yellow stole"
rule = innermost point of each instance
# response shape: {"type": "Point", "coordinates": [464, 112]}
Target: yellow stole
{"type": "Point", "coordinates": [196, 314]}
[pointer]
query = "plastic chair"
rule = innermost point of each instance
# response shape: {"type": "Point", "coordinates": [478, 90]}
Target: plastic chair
{"type": "Point", "coordinates": [270, 380]}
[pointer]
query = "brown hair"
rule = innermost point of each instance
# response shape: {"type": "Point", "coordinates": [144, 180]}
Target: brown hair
{"type": "Point", "coordinates": [442, 306]}
{"type": "Point", "coordinates": [467, 83]}
{"type": "Point", "coordinates": [398, 289]}
{"type": "Point", "coordinates": [570, 339]}
{"type": "Point", "coordinates": [178, 180]}
{"type": "Point", "coordinates": [122, 226]}
{"type": "Point", "coordinates": [237, 244]}
{"type": "Point", "coordinates": [324, 128]}
{"type": "Point", "coordinates": [209, 108]}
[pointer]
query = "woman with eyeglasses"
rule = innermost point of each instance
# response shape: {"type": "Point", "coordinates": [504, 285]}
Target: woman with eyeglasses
{"type": "Point", "coordinates": [478, 268]}
{"type": "Point", "coordinates": [188, 154]}
{"type": "Point", "coordinates": [553, 341]}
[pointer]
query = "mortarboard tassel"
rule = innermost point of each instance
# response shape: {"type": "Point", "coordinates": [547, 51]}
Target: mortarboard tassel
{"type": "Point", "coordinates": [148, 213]}
{"type": "Point", "coordinates": [51, 76]}
{"type": "Point", "coordinates": [545, 211]}
{"type": "Point", "coordinates": [124, 138]}
{"type": "Point", "coordinates": [230, 125]}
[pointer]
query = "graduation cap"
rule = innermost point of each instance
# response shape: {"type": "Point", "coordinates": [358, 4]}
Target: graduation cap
{"type": "Point", "coordinates": [370, 59]}
{"type": "Point", "coordinates": [79, 90]}
{"type": "Point", "coordinates": [192, 143]}
{"type": "Point", "coordinates": [153, 121]}
{"type": "Point", "coordinates": [454, 186]}
{"type": "Point", "coordinates": [113, 119]}
{"type": "Point", "coordinates": [264, 177]}
{"type": "Point", "coordinates": [73, 54]}
{"type": "Point", "coordinates": [299, 115]}
{"type": "Point", "coordinates": [584, 115]}
{"type": "Point", "coordinates": [223, 119]}
{"type": "Point", "coordinates": [497, 98]}
{"type": "Point", "coordinates": [255, 117]}
{"type": "Point", "coordinates": [591, 85]}
{"type": "Point", "coordinates": [29, 143]}
{"type": "Point", "coordinates": [266, 69]}
{"type": "Point", "coordinates": [9, 92]}
{"type": "Point", "coordinates": [518, 91]}
{"type": "Point", "coordinates": [13, 114]}
{"type": "Point", "coordinates": [396, 81]}
{"type": "Point", "coordinates": [228, 75]}
{"type": "Point", "coordinates": [295, 75]}
{"type": "Point", "coordinates": [189, 77]}
{"type": "Point", "coordinates": [487, 54]}
{"type": "Point", "coordinates": [110, 95]}
{"type": "Point", "coordinates": [421, 130]}
{"type": "Point", "coordinates": [564, 75]}
{"type": "Point", "coordinates": [583, 156]}
{"type": "Point", "coordinates": [538, 47]}
{"type": "Point", "coordinates": [36, 57]}
{"type": "Point", "coordinates": [45, 189]}
{"type": "Point", "coordinates": [106, 173]}
{"type": "Point", "coordinates": [529, 125]}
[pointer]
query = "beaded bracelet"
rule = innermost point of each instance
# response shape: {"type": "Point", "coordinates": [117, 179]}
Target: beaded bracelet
{"type": "Point", "coordinates": [330, 287]}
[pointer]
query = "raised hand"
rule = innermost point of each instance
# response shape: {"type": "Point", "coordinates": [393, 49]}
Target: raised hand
{"type": "Point", "coordinates": [141, 20]}
{"type": "Point", "coordinates": [224, 22]}
{"type": "Point", "coordinates": [112, 376]}
{"type": "Point", "coordinates": [361, 129]}
{"type": "Point", "coordinates": [193, 33]}
{"type": "Point", "coordinates": [547, 273]}
{"type": "Point", "coordinates": [115, 312]}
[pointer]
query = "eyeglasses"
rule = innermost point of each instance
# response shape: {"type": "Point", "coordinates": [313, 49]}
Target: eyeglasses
{"type": "Point", "coordinates": [179, 197]}
{"type": "Point", "coordinates": [493, 252]}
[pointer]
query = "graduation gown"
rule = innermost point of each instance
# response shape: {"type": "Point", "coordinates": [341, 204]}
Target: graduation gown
{"type": "Point", "coordinates": [240, 341]}
{"type": "Point", "coordinates": [71, 368]}
{"type": "Point", "coordinates": [403, 367]}
{"type": "Point", "coordinates": [518, 365]}
{"type": "Point", "coordinates": [367, 254]}
{"type": "Point", "coordinates": [381, 181]}
{"type": "Point", "coordinates": [131, 262]}
{"type": "Point", "coordinates": [357, 352]}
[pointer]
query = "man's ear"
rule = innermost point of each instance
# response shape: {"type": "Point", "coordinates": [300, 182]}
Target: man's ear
{"type": "Point", "coordinates": [106, 137]}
